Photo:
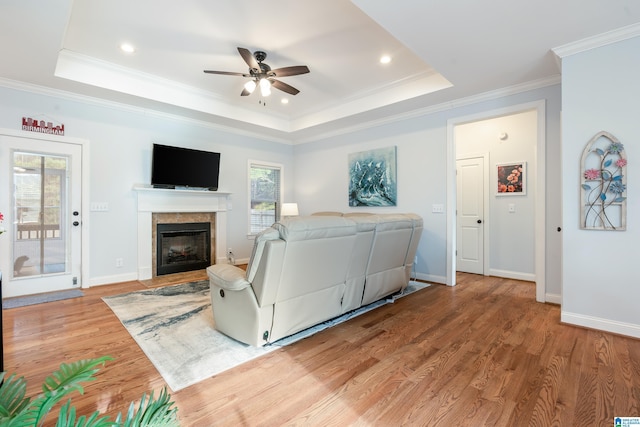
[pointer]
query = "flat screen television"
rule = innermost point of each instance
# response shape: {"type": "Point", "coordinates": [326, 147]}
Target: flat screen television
{"type": "Point", "coordinates": [173, 167]}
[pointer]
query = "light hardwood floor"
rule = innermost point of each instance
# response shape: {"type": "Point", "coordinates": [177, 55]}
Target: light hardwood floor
{"type": "Point", "coordinates": [483, 353]}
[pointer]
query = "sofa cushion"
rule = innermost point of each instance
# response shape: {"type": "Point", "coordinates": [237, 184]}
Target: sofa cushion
{"type": "Point", "coordinates": [365, 222]}
{"type": "Point", "coordinates": [227, 276]}
{"type": "Point", "coordinates": [358, 214]}
{"type": "Point", "coordinates": [258, 248]}
{"type": "Point", "coordinates": [390, 222]}
{"type": "Point", "coordinates": [314, 227]}
{"type": "Point", "coordinates": [327, 213]}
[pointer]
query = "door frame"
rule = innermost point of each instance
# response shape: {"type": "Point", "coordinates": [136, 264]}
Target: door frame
{"type": "Point", "coordinates": [540, 197]}
{"type": "Point", "coordinates": [486, 220]}
{"type": "Point", "coordinates": [84, 183]}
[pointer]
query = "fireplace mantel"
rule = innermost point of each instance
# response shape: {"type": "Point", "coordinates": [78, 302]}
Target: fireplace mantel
{"type": "Point", "coordinates": [157, 200]}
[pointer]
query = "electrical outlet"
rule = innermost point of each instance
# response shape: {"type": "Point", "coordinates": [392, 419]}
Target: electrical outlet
{"type": "Point", "coordinates": [119, 262]}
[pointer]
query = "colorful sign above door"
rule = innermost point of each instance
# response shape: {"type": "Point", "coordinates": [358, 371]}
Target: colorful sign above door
{"type": "Point", "coordinates": [34, 125]}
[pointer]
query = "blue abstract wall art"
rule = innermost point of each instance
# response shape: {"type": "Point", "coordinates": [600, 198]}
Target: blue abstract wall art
{"type": "Point", "coordinates": [373, 178]}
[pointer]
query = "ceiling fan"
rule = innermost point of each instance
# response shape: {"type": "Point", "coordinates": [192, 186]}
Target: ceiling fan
{"type": "Point", "coordinates": [262, 75]}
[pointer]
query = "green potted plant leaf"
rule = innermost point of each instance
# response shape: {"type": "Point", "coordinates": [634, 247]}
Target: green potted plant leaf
{"type": "Point", "coordinates": [19, 410]}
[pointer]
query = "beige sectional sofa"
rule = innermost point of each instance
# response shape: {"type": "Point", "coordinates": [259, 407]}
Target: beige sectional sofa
{"type": "Point", "coordinates": [305, 270]}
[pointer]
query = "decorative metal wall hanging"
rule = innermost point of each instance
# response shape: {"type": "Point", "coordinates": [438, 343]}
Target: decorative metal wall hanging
{"type": "Point", "coordinates": [603, 194]}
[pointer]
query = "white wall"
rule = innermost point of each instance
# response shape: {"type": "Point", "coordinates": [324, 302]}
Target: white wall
{"type": "Point", "coordinates": [600, 91]}
{"type": "Point", "coordinates": [322, 173]}
{"type": "Point", "coordinates": [120, 144]}
{"type": "Point", "coordinates": [511, 235]}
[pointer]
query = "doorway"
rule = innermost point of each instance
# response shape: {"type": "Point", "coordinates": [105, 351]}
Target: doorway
{"type": "Point", "coordinates": [42, 213]}
{"type": "Point", "coordinates": [537, 174]}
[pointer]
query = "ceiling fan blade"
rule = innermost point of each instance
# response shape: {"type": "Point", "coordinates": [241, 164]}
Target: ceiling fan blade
{"type": "Point", "coordinates": [289, 71]}
{"type": "Point", "coordinates": [249, 59]}
{"type": "Point", "coordinates": [284, 87]}
{"type": "Point", "coordinates": [227, 73]}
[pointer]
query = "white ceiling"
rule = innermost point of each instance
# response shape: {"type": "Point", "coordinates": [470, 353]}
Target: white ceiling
{"type": "Point", "coordinates": [441, 51]}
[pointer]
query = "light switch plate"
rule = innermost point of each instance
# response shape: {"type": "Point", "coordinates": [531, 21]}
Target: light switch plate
{"type": "Point", "coordinates": [99, 206]}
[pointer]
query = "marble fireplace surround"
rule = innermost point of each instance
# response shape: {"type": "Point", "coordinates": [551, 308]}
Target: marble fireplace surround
{"type": "Point", "coordinates": [159, 200]}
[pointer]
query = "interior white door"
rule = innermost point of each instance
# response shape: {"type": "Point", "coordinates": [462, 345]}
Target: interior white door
{"type": "Point", "coordinates": [470, 212]}
{"type": "Point", "coordinates": [43, 222]}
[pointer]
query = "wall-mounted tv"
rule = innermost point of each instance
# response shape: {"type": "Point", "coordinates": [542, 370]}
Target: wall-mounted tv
{"type": "Point", "coordinates": [173, 167]}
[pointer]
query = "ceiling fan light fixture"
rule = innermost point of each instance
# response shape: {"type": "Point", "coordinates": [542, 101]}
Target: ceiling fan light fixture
{"type": "Point", "coordinates": [250, 86]}
{"type": "Point", "coordinates": [265, 87]}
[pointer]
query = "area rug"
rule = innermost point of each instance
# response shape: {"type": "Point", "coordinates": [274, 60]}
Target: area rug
{"type": "Point", "coordinates": [41, 298]}
{"type": "Point", "coordinates": [174, 327]}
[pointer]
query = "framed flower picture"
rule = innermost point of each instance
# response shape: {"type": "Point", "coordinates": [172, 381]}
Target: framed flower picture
{"type": "Point", "coordinates": [512, 179]}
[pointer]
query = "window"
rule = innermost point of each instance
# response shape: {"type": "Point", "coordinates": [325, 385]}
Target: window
{"type": "Point", "coordinates": [265, 181]}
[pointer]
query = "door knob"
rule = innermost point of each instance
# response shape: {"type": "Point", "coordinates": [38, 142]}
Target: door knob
{"type": "Point", "coordinates": [76, 223]}
{"type": "Point", "coordinates": [479, 221]}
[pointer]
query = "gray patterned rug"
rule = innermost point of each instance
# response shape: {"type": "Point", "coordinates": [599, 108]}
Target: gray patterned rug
{"type": "Point", "coordinates": [174, 327]}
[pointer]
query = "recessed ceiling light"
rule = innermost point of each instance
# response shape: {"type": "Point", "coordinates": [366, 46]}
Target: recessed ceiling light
{"type": "Point", "coordinates": [127, 48]}
{"type": "Point", "coordinates": [284, 100]}
{"type": "Point", "coordinates": [385, 59]}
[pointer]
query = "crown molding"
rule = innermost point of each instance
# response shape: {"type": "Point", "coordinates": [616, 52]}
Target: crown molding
{"type": "Point", "coordinates": [614, 36]}
{"type": "Point", "coordinates": [99, 102]}
{"type": "Point", "coordinates": [486, 96]}
{"type": "Point", "coordinates": [445, 106]}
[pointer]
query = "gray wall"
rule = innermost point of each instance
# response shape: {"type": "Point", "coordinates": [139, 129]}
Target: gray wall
{"type": "Point", "coordinates": [322, 176]}
{"type": "Point", "coordinates": [600, 92]}
{"type": "Point", "coordinates": [120, 140]}
{"type": "Point", "coordinates": [316, 173]}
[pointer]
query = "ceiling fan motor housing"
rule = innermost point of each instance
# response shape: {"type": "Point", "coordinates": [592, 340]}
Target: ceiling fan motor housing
{"type": "Point", "coordinates": [259, 55]}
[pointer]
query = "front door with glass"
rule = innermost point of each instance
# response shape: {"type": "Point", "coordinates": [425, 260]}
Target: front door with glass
{"type": "Point", "coordinates": [44, 223]}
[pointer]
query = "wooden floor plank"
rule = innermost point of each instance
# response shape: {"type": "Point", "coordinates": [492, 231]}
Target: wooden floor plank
{"type": "Point", "coordinates": [481, 353]}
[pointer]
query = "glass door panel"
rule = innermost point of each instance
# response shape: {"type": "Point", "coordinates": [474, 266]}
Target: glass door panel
{"type": "Point", "coordinates": [40, 236]}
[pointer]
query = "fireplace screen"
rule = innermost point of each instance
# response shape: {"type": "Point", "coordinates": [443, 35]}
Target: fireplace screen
{"type": "Point", "coordinates": [183, 247]}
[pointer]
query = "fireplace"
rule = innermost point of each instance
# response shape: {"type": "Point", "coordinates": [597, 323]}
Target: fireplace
{"type": "Point", "coordinates": [175, 206]}
{"type": "Point", "coordinates": [182, 247]}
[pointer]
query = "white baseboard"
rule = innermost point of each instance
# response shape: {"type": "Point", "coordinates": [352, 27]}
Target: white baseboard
{"type": "Point", "coordinates": [607, 325]}
{"type": "Point", "coordinates": [110, 280]}
{"type": "Point", "coordinates": [553, 298]}
{"type": "Point", "coordinates": [429, 278]}
{"type": "Point", "coordinates": [516, 275]}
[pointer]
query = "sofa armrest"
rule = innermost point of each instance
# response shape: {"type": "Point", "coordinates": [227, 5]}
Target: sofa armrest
{"type": "Point", "coordinates": [227, 277]}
